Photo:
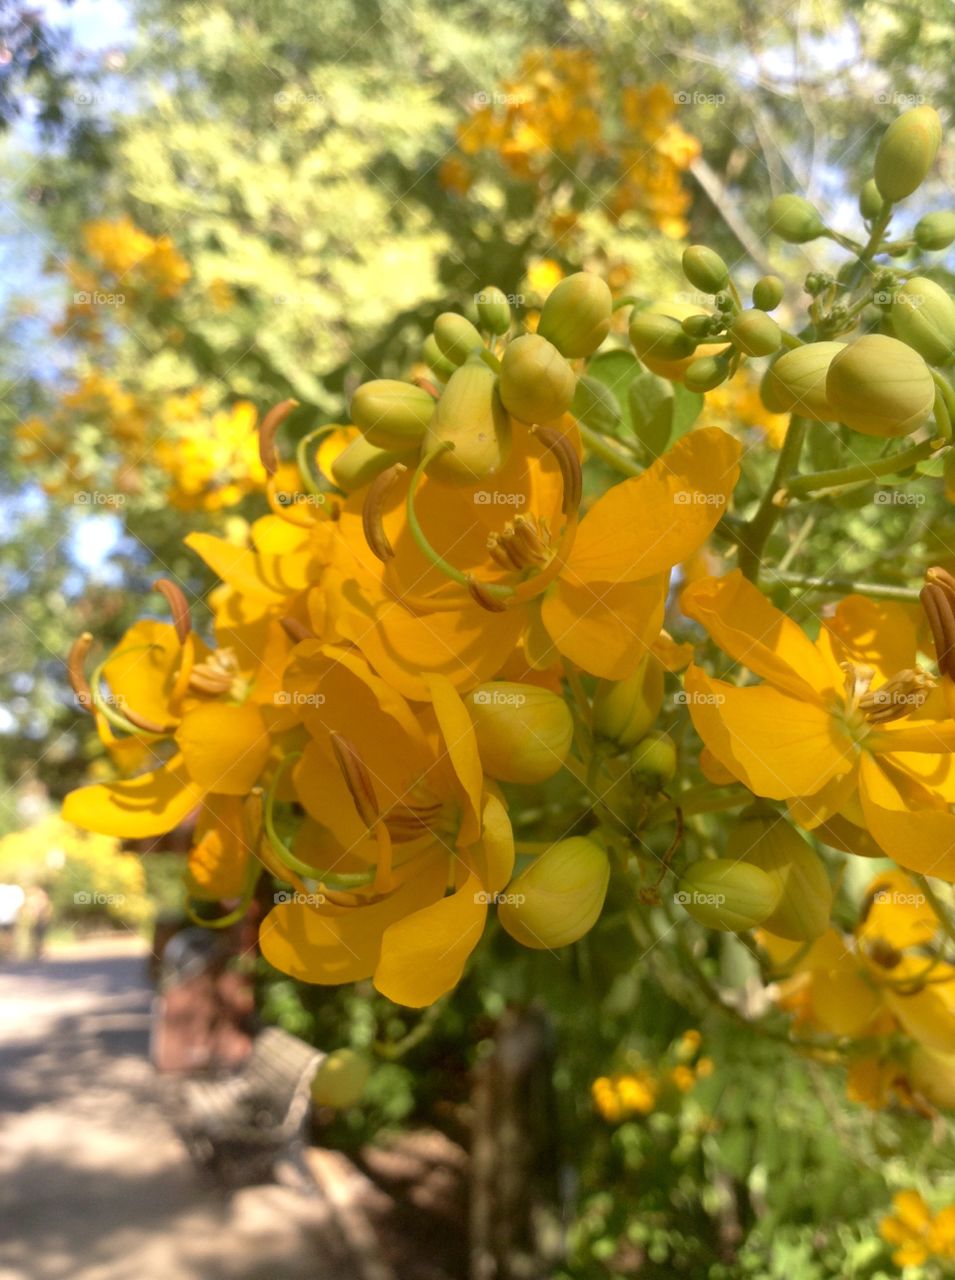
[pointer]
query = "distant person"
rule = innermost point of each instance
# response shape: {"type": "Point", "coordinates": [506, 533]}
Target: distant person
{"type": "Point", "coordinates": [39, 913]}
{"type": "Point", "coordinates": [12, 898]}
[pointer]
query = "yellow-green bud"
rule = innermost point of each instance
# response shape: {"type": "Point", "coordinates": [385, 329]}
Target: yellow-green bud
{"type": "Point", "coordinates": [705, 269]}
{"type": "Point", "coordinates": [906, 152]}
{"type": "Point", "coordinates": [805, 895]}
{"type": "Point", "coordinates": [537, 384]}
{"type": "Point", "coordinates": [523, 732]}
{"type": "Point", "coordinates": [935, 230]}
{"type": "Point", "coordinates": [794, 219]}
{"type": "Point", "coordinates": [341, 1078]}
{"type": "Point", "coordinates": [653, 760]}
{"type": "Point", "coordinates": [769, 393]}
{"type": "Point", "coordinates": [706, 373]}
{"type": "Point", "coordinates": [625, 710]}
{"type": "Point", "coordinates": [870, 201]}
{"type": "Point", "coordinates": [559, 897]}
{"type": "Point", "coordinates": [359, 463]}
{"type": "Point", "coordinates": [471, 416]}
{"type": "Point", "coordinates": [392, 414]}
{"type": "Point", "coordinates": [494, 310]}
{"type": "Point", "coordinates": [881, 387]}
{"type": "Point", "coordinates": [755, 333]}
{"type": "Point", "coordinates": [923, 316]}
{"type": "Point", "coordinates": [660, 336]}
{"type": "Point", "coordinates": [697, 327]}
{"type": "Point", "coordinates": [797, 381]}
{"type": "Point", "coordinates": [722, 894]}
{"type": "Point", "coordinates": [456, 337]}
{"type": "Point", "coordinates": [768, 293]}
{"type": "Point", "coordinates": [435, 358]}
{"type": "Point", "coordinates": [576, 316]}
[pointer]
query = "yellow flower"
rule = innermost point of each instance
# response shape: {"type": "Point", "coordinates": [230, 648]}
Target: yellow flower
{"type": "Point", "coordinates": [397, 801]}
{"type": "Point", "coordinates": [594, 592]}
{"type": "Point", "coordinates": [184, 694]}
{"type": "Point", "coordinates": [918, 1233]}
{"type": "Point", "coordinates": [623, 1095]}
{"type": "Point", "coordinates": [847, 730]}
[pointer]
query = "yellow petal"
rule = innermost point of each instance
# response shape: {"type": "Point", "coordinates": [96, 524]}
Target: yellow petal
{"type": "Point", "coordinates": [757, 635]}
{"type": "Point", "coordinates": [224, 747]}
{"type": "Point", "coordinates": [898, 912]}
{"type": "Point", "coordinates": [922, 840]}
{"type": "Point", "coordinates": [235, 565]}
{"type": "Point", "coordinates": [605, 629]}
{"type": "Point", "coordinates": [876, 633]}
{"type": "Point", "coordinates": [645, 525]}
{"type": "Point", "coordinates": [460, 744]}
{"type": "Point", "coordinates": [423, 955]}
{"type": "Point", "coordinates": [141, 670]}
{"type": "Point", "coordinates": [493, 856]}
{"type": "Point", "coordinates": [780, 747]}
{"type": "Point", "coordinates": [149, 805]}
{"type": "Point", "coordinates": [219, 859]}
{"type": "Point", "coordinates": [332, 944]}
{"type": "Point", "coordinates": [927, 1015]}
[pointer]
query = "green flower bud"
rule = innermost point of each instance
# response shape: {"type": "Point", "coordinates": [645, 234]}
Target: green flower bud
{"type": "Point", "coordinates": [471, 416]}
{"type": "Point", "coordinates": [436, 360]}
{"type": "Point", "coordinates": [653, 760]}
{"type": "Point", "coordinates": [796, 383]}
{"type": "Point", "coordinates": [456, 337]}
{"type": "Point", "coordinates": [769, 393]}
{"type": "Point", "coordinates": [341, 1078]}
{"type": "Point", "coordinates": [756, 333]}
{"type": "Point", "coordinates": [706, 373]}
{"type": "Point", "coordinates": [923, 315]}
{"type": "Point", "coordinates": [768, 293]}
{"type": "Point", "coordinates": [576, 315]}
{"type": "Point", "coordinates": [722, 894]}
{"type": "Point", "coordinates": [537, 384]}
{"type": "Point", "coordinates": [660, 336]}
{"type": "Point", "coordinates": [559, 897]}
{"type": "Point", "coordinates": [794, 219]}
{"type": "Point", "coordinates": [523, 732]}
{"type": "Point", "coordinates": [906, 152]}
{"type": "Point", "coordinates": [880, 387]}
{"type": "Point", "coordinates": [870, 201]}
{"type": "Point", "coordinates": [392, 414]}
{"type": "Point", "coordinates": [625, 710]}
{"type": "Point", "coordinates": [697, 327]}
{"type": "Point", "coordinates": [935, 230]}
{"type": "Point", "coordinates": [805, 895]}
{"type": "Point", "coordinates": [494, 310]}
{"type": "Point", "coordinates": [359, 463]}
{"type": "Point", "coordinates": [705, 269]}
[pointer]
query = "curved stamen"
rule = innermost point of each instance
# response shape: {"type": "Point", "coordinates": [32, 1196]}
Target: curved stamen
{"type": "Point", "coordinates": [268, 428]}
{"type": "Point", "coordinates": [296, 631]}
{"type": "Point", "coordinates": [126, 721]}
{"type": "Point", "coordinates": [938, 601]}
{"type": "Point", "coordinates": [358, 780]}
{"type": "Point", "coordinates": [570, 471]}
{"type": "Point", "coordinates": [75, 669]}
{"type": "Point", "coordinates": [335, 880]}
{"type": "Point", "coordinates": [301, 456]}
{"type": "Point", "coordinates": [372, 521]}
{"type": "Point", "coordinates": [178, 605]}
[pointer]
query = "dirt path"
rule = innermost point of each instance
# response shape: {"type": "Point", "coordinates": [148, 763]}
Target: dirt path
{"type": "Point", "coordinates": [93, 1184]}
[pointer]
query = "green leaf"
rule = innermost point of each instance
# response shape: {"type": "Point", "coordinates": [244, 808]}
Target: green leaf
{"type": "Point", "coordinates": [596, 406]}
{"type": "Point", "coordinates": [652, 403]}
{"type": "Point", "coordinates": [616, 370]}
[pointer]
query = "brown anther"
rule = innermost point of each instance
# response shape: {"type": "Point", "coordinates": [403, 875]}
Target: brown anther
{"type": "Point", "coordinates": [372, 521]}
{"type": "Point", "coordinates": [357, 779]}
{"type": "Point", "coordinates": [485, 598]}
{"type": "Point", "coordinates": [295, 630]}
{"type": "Point", "coordinates": [407, 822]}
{"type": "Point", "coordinates": [178, 606]}
{"type": "Point", "coordinates": [216, 675]}
{"type": "Point", "coordinates": [904, 693]}
{"type": "Point", "coordinates": [268, 429]}
{"type": "Point", "coordinates": [884, 954]}
{"type": "Point", "coordinates": [571, 474]}
{"type": "Point", "coordinates": [939, 605]}
{"type": "Point", "coordinates": [76, 670]}
{"type": "Point", "coordinates": [427, 385]}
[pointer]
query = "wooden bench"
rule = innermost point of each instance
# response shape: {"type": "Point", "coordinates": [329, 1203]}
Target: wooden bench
{"type": "Point", "coordinates": [238, 1127]}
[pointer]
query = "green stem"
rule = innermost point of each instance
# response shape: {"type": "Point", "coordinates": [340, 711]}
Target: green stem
{"type": "Point", "coordinates": [862, 471]}
{"type": "Point", "coordinates": [755, 534]}
{"type": "Point", "coordinates": [599, 446]}
{"type": "Point", "coordinates": [843, 586]}
{"type": "Point", "coordinates": [944, 919]}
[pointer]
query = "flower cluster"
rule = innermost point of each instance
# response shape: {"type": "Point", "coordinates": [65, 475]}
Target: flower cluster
{"type": "Point", "coordinates": [556, 118]}
{"type": "Point", "coordinates": [918, 1234]}
{"type": "Point", "coordinates": [638, 1090]}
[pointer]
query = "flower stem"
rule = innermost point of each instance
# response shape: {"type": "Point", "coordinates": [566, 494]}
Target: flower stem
{"type": "Point", "coordinates": [843, 586]}
{"type": "Point", "coordinates": [754, 535]}
{"type": "Point", "coordinates": [607, 453]}
{"type": "Point", "coordinates": [862, 471]}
